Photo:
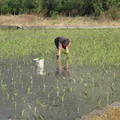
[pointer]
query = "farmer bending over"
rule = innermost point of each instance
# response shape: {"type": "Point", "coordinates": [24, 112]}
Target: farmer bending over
{"type": "Point", "coordinates": [60, 43]}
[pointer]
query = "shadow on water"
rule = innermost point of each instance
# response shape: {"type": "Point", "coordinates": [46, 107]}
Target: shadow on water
{"type": "Point", "coordinates": [37, 89]}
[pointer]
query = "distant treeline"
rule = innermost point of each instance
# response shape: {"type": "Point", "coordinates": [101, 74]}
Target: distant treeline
{"type": "Point", "coordinates": [49, 8]}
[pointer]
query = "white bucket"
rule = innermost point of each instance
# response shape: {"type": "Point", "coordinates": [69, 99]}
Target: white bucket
{"type": "Point", "coordinates": [40, 66]}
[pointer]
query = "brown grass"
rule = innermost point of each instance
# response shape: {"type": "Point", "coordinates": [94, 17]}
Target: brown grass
{"type": "Point", "coordinates": [112, 114]}
{"type": "Point", "coordinates": [35, 20]}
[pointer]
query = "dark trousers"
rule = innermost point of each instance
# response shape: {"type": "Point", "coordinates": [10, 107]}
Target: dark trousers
{"type": "Point", "coordinates": [56, 41]}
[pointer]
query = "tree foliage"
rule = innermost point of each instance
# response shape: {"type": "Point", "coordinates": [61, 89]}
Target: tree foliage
{"type": "Point", "coordinates": [61, 7]}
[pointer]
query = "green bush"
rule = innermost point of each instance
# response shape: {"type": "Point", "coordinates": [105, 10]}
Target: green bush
{"type": "Point", "coordinates": [113, 14]}
{"type": "Point", "coordinates": [50, 8]}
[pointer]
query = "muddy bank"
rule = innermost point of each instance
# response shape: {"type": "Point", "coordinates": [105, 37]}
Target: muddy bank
{"type": "Point", "coordinates": [55, 27]}
{"type": "Point", "coordinates": [110, 112]}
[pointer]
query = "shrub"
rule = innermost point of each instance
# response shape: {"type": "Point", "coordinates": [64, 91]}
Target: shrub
{"type": "Point", "coordinates": [113, 14]}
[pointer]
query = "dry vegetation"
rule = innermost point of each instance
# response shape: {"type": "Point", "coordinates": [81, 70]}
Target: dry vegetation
{"type": "Point", "coordinates": [111, 112]}
{"type": "Point", "coordinates": [35, 20]}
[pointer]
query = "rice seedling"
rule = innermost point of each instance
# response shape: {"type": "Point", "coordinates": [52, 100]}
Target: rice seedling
{"type": "Point", "coordinates": [28, 89]}
{"type": "Point", "coordinates": [35, 117]}
{"type": "Point", "coordinates": [51, 116]}
{"type": "Point", "coordinates": [99, 100]}
{"type": "Point", "coordinates": [108, 98]}
{"type": "Point", "coordinates": [40, 117]}
{"type": "Point", "coordinates": [35, 109]}
{"type": "Point", "coordinates": [15, 105]}
{"type": "Point", "coordinates": [95, 47]}
{"type": "Point", "coordinates": [27, 119]}
{"type": "Point", "coordinates": [4, 87]}
{"type": "Point", "coordinates": [29, 106]}
{"type": "Point", "coordinates": [16, 92]}
{"type": "Point", "coordinates": [8, 96]}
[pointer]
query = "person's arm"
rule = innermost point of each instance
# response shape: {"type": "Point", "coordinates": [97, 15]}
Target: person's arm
{"type": "Point", "coordinates": [59, 50]}
{"type": "Point", "coordinates": [67, 51]}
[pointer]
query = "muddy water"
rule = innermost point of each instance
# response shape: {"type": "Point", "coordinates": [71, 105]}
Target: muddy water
{"type": "Point", "coordinates": [55, 90]}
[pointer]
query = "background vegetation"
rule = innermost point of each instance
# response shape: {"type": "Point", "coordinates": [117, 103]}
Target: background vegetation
{"type": "Point", "coordinates": [72, 8]}
{"type": "Point", "coordinates": [88, 46]}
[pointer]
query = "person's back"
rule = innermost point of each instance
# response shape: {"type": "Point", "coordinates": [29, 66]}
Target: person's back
{"type": "Point", "coordinates": [60, 43]}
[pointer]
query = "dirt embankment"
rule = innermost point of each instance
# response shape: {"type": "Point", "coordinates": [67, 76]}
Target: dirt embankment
{"type": "Point", "coordinates": [111, 112]}
{"type": "Point", "coordinates": [35, 22]}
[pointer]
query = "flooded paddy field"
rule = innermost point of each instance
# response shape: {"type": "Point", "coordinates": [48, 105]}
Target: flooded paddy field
{"type": "Point", "coordinates": [61, 91]}
{"type": "Point", "coordinates": [34, 85]}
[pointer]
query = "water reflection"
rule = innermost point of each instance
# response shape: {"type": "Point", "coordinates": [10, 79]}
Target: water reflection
{"type": "Point", "coordinates": [39, 66]}
{"type": "Point", "coordinates": [62, 70]}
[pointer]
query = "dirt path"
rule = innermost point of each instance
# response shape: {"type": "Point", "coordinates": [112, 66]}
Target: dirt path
{"type": "Point", "coordinates": [56, 27]}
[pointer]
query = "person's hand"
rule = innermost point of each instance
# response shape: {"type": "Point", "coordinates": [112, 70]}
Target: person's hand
{"type": "Point", "coordinates": [67, 53]}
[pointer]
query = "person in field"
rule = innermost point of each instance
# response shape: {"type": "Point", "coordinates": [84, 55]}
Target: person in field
{"type": "Point", "coordinates": [60, 43]}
